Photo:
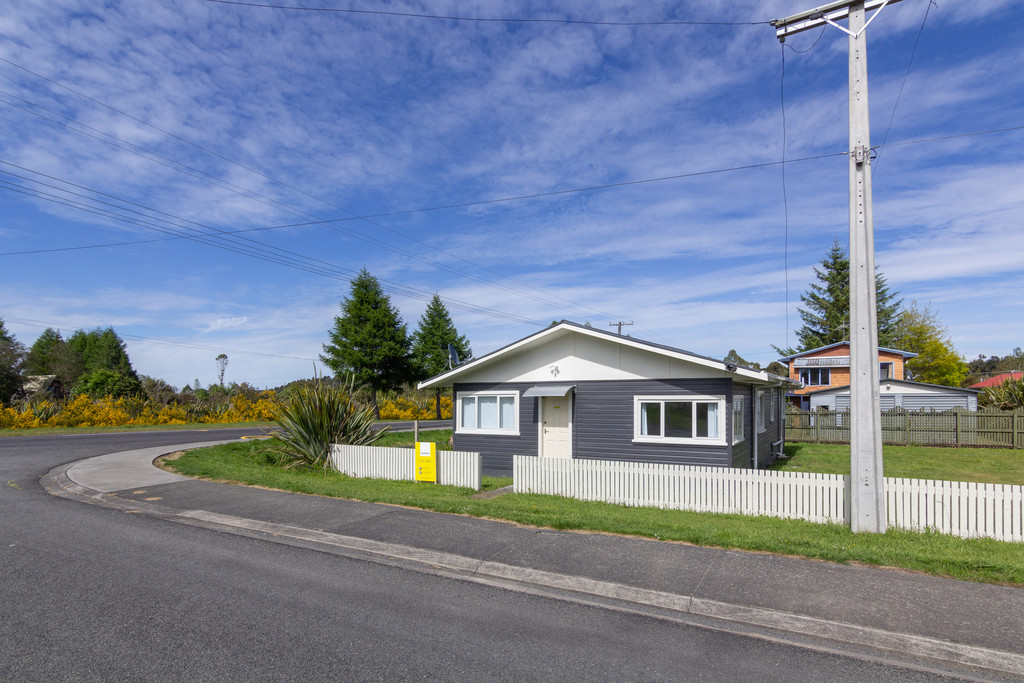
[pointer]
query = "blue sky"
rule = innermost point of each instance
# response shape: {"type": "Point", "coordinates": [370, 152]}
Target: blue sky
{"type": "Point", "coordinates": [198, 117]}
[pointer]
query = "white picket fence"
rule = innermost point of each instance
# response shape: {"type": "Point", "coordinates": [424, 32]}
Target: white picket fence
{"type": "Point", "coordinates": [454, 468]}
{"type": "Point", "coordinates": [959, 508]}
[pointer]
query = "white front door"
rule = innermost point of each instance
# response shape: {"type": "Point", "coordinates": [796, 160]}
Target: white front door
{"type": "Point", "coordinates": [555, 426]}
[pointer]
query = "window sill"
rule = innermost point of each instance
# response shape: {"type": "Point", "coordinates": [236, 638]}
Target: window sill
{"type": "Point", "coordinates": [680, 442]}
{"type": "Point", "coordinates": [488, 432]}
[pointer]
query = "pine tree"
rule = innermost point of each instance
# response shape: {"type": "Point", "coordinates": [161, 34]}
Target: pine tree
{"type": "Point", "coordinates": [827, 316]}
{"type": "Point", "coordinates": [12, 355]}
{"type": "Point", "coordinates": [42, 356]}
{"type": "Point", "coordinates": [430, 344]}
{"type": "Point", "coordinates": [369, 340]}
{"type": "Point", "coordinates": [97, 361]}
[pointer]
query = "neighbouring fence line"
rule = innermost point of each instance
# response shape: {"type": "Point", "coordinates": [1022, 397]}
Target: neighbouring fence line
{"type": "Point", "coordinates": [959, 508]}
{"type": "Point", "coordinates": [990, 428]}
{"type": "Point", "coordinates": [454, 468]}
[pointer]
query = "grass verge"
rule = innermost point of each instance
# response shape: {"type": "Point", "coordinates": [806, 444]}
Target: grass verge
{"type": "Point", "coordinates": [986, 465]}
{"type": "Point", "coordinates": [981, 560]}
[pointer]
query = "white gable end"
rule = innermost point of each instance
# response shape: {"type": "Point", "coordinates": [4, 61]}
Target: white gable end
{"type": "Point", "coordinates": [575, 357]}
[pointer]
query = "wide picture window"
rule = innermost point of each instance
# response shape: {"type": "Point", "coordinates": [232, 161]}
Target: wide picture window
{"type": "Point", "coordinates": [487, 413]}
{"type": "Point", "coordinates": [679, 420]}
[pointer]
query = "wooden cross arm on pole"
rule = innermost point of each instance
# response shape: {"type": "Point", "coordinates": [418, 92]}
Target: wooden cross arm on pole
{"type": "Point", "coordinates": [826, 14]}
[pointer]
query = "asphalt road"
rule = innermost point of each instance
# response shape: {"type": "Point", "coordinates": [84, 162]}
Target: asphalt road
{"type": "Point", "coordinates": [90, 593]}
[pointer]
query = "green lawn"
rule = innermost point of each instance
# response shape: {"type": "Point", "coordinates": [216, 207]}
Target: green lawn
{"type": "Point", "coordinates": [405, 439]}
{"type": "Point", "coordinates": [981, 560]}
{"type": "Point", "coordinates": [987, 465]}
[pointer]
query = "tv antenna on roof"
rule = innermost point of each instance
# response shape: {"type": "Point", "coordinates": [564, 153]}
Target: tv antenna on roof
{"type": "Point", "coordinates": [453, 356]}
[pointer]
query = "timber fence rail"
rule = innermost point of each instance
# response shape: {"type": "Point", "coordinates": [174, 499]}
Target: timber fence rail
{"type": "Point", "coordinates": [454, 468]}
{"type": "Point", "coordinates": [962, 509]}
{"type": "Point", "coordinates": [985, 428]}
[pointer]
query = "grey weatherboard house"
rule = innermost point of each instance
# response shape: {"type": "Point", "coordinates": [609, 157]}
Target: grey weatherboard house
{"type": "Point", "coordinates": [570, 391]}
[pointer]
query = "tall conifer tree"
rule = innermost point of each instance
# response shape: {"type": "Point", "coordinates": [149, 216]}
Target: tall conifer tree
{"type": "Point", "coordinates": [42, 355]}
{"type": "Point", "coordinates": [369, 340]}
{"type": "Point", "coordinates": [12, 355]}
{"type": "Point", "coordinates": [826, 317]}
{"type": "Point", "coordinates": [430, 344]}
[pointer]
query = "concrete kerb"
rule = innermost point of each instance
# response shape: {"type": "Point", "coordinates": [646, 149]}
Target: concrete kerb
{"type": "Point", "coordinates": [59, 482]}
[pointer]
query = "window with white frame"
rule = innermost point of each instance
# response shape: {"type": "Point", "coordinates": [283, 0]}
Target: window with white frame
{"type": "Point", "coordinates": [679, 419]}
{"type": "Point", "coordinates": [774, 412]}
{"type": "Point", "coordinates": [492, 412]}
{"type": "Point", "coordinates": [737, 419]}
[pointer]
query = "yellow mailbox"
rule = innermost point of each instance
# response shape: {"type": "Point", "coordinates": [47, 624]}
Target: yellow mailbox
{"type": "Point", "coordinates": [426, 461]}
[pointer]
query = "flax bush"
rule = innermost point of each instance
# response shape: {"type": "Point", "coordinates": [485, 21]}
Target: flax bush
{"type": "Point", "coordinates": [1007, 396]}
{"type": "Point", "coordinates": [317, 416]}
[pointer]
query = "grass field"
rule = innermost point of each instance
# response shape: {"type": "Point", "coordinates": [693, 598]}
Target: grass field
{"type": "Point", "coordinates": [981, 560]}
{"type": "Point", "coordinates": [987, 465]}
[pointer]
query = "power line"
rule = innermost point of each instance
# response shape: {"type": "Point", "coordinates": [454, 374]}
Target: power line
{"type": "Point", "coordinates": [591, 188]}
{"type": "Point", "coordinates": [892, 116]}
{"type": "Point", "coordinates": [205, 177]}
{"type": "Point", "coordinates": [216, 238]}
{"type": "Point", "coordinates": [785, 196]}
{"type": "Point", "coordinates": [135, 149]}
{"type": "Point", "coordinates": [497, 20]}
{"type": "Point", "coordinates": [537, 195]}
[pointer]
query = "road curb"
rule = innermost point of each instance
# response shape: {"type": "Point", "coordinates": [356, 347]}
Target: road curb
{"type": "Point", "coordinates": [651, 602]}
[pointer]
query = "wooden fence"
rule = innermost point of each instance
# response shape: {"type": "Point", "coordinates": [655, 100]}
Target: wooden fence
{"type": "Point", "coordinates": [454, 468]}
{"type": "Point", "coordinates": [958, 508]}
{"type": "Point", "coordinates": [986, 428]}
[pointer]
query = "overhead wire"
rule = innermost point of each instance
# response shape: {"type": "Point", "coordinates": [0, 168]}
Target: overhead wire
{"type": "Point", "coordinates": [513, 198]}
{"type": "Point", "coordinates": [216, 238]}
{"type": "Point", "coordinates": [892, 116]}
{"type": "Point", "coordinates": [785, 196]}
{"type": "Point", "coordinates": [495, 200]}
{"type": "Point", "coordinates": [504, 20]}
{"type": "Point", "coordinates": [142, 152]}
{"type": "Point", "coordinates": [547, 295]}
{"type": "Point", "coordinates": [785, 193]}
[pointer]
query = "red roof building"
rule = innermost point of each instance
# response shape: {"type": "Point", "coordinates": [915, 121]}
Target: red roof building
{"type": "Point", "coordinates": [998, 379]}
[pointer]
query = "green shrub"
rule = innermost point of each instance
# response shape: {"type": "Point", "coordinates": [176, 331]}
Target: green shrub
{"type": "Point", "coordinates": [1008, 396]}
{"type": "Point", "coordinates": [317, 416]}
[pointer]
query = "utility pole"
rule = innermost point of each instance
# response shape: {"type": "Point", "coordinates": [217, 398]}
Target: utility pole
{"type": "Point", "coordinates": [867, 483]}
{"type": "Point", "coordinates": [619, 324]}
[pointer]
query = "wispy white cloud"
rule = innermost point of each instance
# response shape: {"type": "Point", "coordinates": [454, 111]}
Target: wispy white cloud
{"type": "Point", "coordinates": [379, 114]}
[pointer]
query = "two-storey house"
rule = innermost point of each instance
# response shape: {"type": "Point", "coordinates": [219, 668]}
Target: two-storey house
{"type": "Point", "coordinates": [824, 376]}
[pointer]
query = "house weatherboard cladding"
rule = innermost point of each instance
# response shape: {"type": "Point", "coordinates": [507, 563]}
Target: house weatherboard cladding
{"type": "Point", "coordinates": [619, 398]}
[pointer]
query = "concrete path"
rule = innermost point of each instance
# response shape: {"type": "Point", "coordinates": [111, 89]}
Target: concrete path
{"type": "Point", "coordinates": [910, 617]}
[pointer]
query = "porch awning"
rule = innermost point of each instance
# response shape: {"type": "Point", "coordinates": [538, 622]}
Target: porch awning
{"type": "Point", "coordinates": [549, 390]}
